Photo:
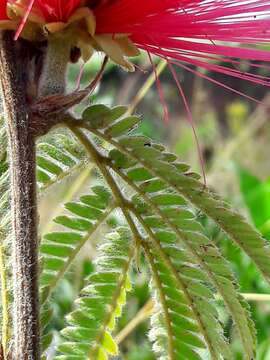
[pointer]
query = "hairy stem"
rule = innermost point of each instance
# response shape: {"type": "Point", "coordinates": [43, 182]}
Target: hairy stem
{"type": "Point", "coordinates": [4, 302]}
{"type": "Point", "coordinates": [53, 78]}
{"type": "Point", "coordinates": [24, 201]}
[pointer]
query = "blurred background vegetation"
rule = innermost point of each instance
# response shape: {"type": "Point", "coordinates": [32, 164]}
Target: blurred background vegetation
{"type": "Point", "coordinates": [234, 136]}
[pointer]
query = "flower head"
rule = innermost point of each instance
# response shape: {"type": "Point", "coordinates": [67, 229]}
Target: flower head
{"type": "Point", "coordinates": [191, 31]}
{"type": "Point", "coordinates": [48, 16]}
{"type": "Point", "coordinates": [186, 31]}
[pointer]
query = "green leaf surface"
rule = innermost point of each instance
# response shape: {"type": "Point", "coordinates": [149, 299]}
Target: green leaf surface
{"type": "Point", "coordinates": [89, 326]}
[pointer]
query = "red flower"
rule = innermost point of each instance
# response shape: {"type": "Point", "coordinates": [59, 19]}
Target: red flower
{"type": "Point", "coordinates": [182, 31]}
{"type": "Point", "coordinates": [57, 10]}
{"type": "Point", "coordinates": [3, 10]}
{"type": "Point", "coordinates": [52, 15]}
{"type": "Point", "coordinates": [191, 31]}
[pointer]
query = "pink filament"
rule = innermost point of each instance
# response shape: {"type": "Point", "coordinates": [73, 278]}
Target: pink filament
{"type": "Point", "coordinates": [23, 22]}
{"type": "Point", "coordinates": [160, 90]}
{"type": "Point", "coordinates": [52, 11]}
{"type": "Point", "coordinates": [190, 119]}
{"type": "Point", "coordinates": [189, 30]}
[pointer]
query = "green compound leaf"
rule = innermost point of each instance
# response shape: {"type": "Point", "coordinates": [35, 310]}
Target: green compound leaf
{"type": "Point", "coordinates": [100, 116]}
{"type": "Point", "coordinates": [88, 334]}
{"type": "Point", "coordinates": [59, 249]}
{"type": "Point", "coordinates": [164, 188]}
{"type": "Point", "coordinates": [57, 157]}
{"type": "Point", "coordinates": [189, 274]}
{"type": "Point", "coordinates": [159, 165]}
{"type": "Point", "coordinates": [180, 328]}
{"type": "Point", "coordinates": [123, 126]}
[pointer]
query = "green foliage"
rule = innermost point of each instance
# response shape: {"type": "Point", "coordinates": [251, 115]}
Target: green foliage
{"type": "Point", "coordinates": [88, 334]}
{"type": "Point", "coordinates": [256, 192]}
{"type": "Point", "coordinates": [58, 156]}
{"type": "Point", "coordinates": [156, 194]}
{"type": "Point", "coordinates": [155, 197]}
{"type": "Point", "coordinates": [58, 249]}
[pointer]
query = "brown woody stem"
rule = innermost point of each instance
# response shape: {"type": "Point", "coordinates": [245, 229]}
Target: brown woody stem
{"type": "Point", "coordinates": [23, 199]}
